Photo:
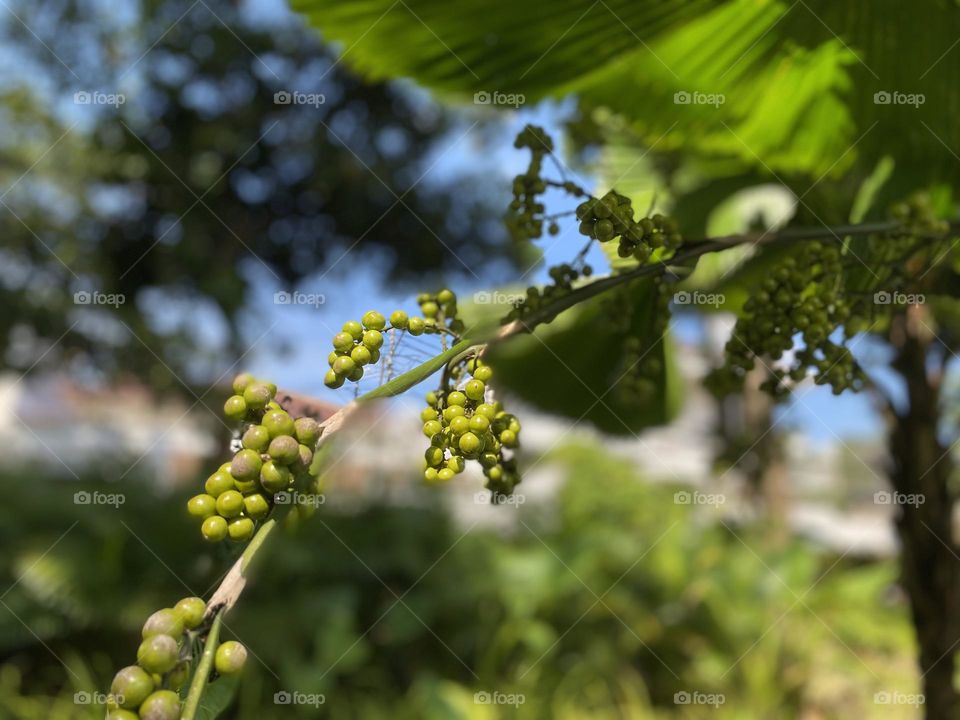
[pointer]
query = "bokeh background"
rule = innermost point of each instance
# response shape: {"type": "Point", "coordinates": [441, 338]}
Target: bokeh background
{"type": "Point", "coordinates": [171, 173]}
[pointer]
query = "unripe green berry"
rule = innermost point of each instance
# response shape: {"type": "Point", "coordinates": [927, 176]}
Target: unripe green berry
{"type": "Point", "coordinates": [307, 431]}
{"type": "Point", "coordinates": [343, 342]}
{"type": "Point", "coordinates": [430, 309]}
{"type": "Point", "coordinates": [355, 374]}
{"type": "Point", "coordinates": [456, 398]}
{"type": "Point", "coordinates": [495, 473]}
{"type": "Point", "coordinates": [240, 529]}
{"type": "Point", "coordinates": [474, 389]}
{"type": "Point", "coordinates": [214, 529]}
{"type": "Point", "coordinates": [157, 654]}
{"type": "Point", "coordinates": [161, 705]}
{"type": "Point", "coordinates": [470, 443]}
{"type": "Point", "coordinates": [428, 414]}
{"type": "Point", "coordinates": [373, 339]}
{"type": "Point", "coordinates": [191, 610]}
{"type": "Point", "coordinates": [508, 438]}
{"type": "Point", "coordinates": [132, 685]}
{"type": "Point", "coordinates": [231, 656]}
{"type": "Point", "coordinates": [415, 326]}
{"type": "Point", "coordinates": [372, 320]}
{"type": "Point", "coordinates": [284, 449]}
{"type": "Point", "coordinates": [479, 424]}
{"type": "Point", "coordinates": [353, 328]}
{"type": "Point", "coordinates": [332, 380]}
{"type": "Point", "coordinates": [246, 486]}
{"type": "Point", "coordinates": [433, 456]}
{"type": "Point", "coordinates": [445, 474]}
{"type": "Point", "coordinates": [278, 422]}
{"type": "Point", "coordinates": [430, 474]}
{"type": "Point", "coordinates": [202, 506]}
{"type": "Point", "coordinates": [459, 425]}
{"type": "Point", "coordinates": [399, 319]}
{"type": "Point", "coordinates": [120, 714]}
{"type": "Point", "coordinates": [241, 381]}
{"type": "Point", "coordinates": [256, 438]}
{"type": "Point", "coordinates": [486, 410]}
{"type": "Point", "coordinates": [163, 622]}
{"type": "Point", "coordinates": [235, 408]}
{"type": "Point", "coordinates": [219, 483]}
{"type": "Point", "coordinates": [446, 296]}
{"type": "Point", "coordinates": [361, 355]}
{"type": "Point", "coordinates": [344, 365]}
{"type": "Point", "coordinates": [246, 465]}
{"type": "Point", "coordinates": [275, 477]}
{"type": "Point", "coordinates": [256, 506]}
{"type": "Point", "coordinates": [488, 459]}
{"type": "Point", "coordinates": [257, 395]}
{"type": "Point", "coordinates": [178, 676]}
{"type": "Point", "coordinates": [230, 504]}
{"type": "Point", "coordinates": [457, 463]}
{"type": "Point", "coordinates": [304, 458]}
{"type": "Point", "coordinates": [483, 373]}
{"type": "Point", "coordinates": [449, 413]}
{"type": "Point", "coordinates": [432, 427]}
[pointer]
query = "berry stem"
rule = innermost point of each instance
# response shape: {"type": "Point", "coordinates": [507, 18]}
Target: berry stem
{"type": "Point", "coordinates": [202, 673]}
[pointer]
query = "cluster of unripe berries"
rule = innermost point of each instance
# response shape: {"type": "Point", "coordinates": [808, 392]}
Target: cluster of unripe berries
{"type": "Point", "coordinates": [918, 217]}
{"type": "Point", "coordinates": [358, 344]}
{"type": "Point", "coordinates": [275, 454]}
{"type": "Point", "coordinates": [150, 690]}
{"type": "Point", "coordinates": [801, 296]}
{"type": "Point", "coordinates": [563, 277]}
{"type": "Point", "coordinates": [463, 426]}
{"type": "Point", "coordinates": [612, 216]}
{"type": "Point", "coordinates": [639, 374]}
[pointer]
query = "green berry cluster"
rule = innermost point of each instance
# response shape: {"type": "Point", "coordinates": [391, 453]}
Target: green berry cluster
{"type": "Point", "coordinates": [358, 344]}
{"type": "Point", "coordinates": [276, 453]}
{"type": "Point", "coordinates": [612, 216]}
{"type": "Point", "coordinates": [639, 372]}
{"type": "Point", "coordinates": [463, 426]}
{"type": "Point", "coordinates": [150, 689]}
{"type": "Point", "coordinates": [918, 217]}
{"type": "Point", "coordinates": [802, 296]}
{"type": "Point", "coordinates": [563, 277]}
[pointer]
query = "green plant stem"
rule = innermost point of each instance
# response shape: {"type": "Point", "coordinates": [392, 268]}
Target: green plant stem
{"type": "Point", "coordinates": [202, 673]}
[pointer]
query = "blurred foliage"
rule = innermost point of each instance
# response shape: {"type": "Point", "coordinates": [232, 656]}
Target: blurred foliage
{"type": "Point", "coordinates": [200, 195]}
{"type": "Point", "coordinates": [603, 602]}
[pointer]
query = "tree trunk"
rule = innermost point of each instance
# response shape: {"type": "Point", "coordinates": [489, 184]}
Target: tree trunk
{"type": "Point", "coordinates": [920, 475]}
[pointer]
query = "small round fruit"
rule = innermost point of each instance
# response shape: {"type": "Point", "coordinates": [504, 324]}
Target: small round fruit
{"type": "Point", "coordinates": [459, 425]}
{"type": "Point", "coordinates": [355, 374]}
{"type": "Point", "coordinates": [343, 342]}
{"type": "Point", "coordinates": [247, 486]}
{"type": "Point", "coordinates": [246, 465]}
{"type": "Point", "coordinates": [120, 714]}
{"type": "Point", "coordinates": [487, 410]}
{"type": "Point", "coordinates": [373, 320]}
{"type": "Point", "coordinates": [307, 431]}
{"type": "Point", "coordinates": [304, 458]}
{"type": "Point", "coordinates": [361, 355]}
{"type": "Point", "coordinates": [214, 529]}
{"type": "Point", "coordinates": [373, 339]}
{"type": "Point", "coordinates": [433, 456]}
{"type": "Point", "coordinates": [278, 422]}
{"type": "Point", "coordinates": [483, 373]}
{"type": "Point", "coordinates": [219, 483]}
{"type": "Point", "coordinates": [445, 474]}
{"type": "Point", "coordinates": [445, 297]}
{"type": "Point", "coordinates": [353, 328]}
{"type": "Point", "coordinates": [474, 389]}
{"type": "Point", "coordinates": [274, 477]}
{"type": "Point", "coordinates": [429, 309]}
{"type": "Point", "coordinates": [432, 427]}
{"type": "Point", "coordinates": [241, 381]}
{"type": "Point", "coordinates": [256, 438]}
{"type": "Point", "coordinates": [163, 622]}
{"type": "Point", "coordinates": [457, 463]}
{"type": "Point", "coordinates": [256, 506]}
{"type": "Point", "coordinates": [415, 326]}
{"type": "Point", "coordinates": [456, 398]}
{"type": "Point", "coordinates": [235, 407]}
{"type": "Point", "coordinates": [428, 414]}
{"type": "Point", "coordinates": [230, 657]}
{"type": "Point", "coordinates": [178, 676]}
{"type": "Point", "coordinates": [284, 449]}
{"type": "Point", "coordinates": [157, 654]}
{"type": "Point", "coordinates": [399, 319]}
{"type": "Point", "coordinates": [332, 380]}
{"type": "Point", "coordinates": [161, 705]}
{"type": "Point", "coordinates": [344, 365]}
{"type": "Point", "coordinates": [131, 686]}
{"type": "Point", "coordinates": [449, 413]}
{"type": "Point", "coordinates": [191, 610]}
{"type": "Point", "coordinates": [257, 395]}
{"type": "Point", "coordinates": [508, 438]}
{"type": "Point", "coordinates": [488, 459]}
{"type": "Point", "coordinates": [470, 443]}
{"type": "Point", "coordinates": [240, 529]}
{"type": "Point", "coordinates": [430, 474]}
{"type": "Point", "coordinates": [230, 504]}
{"type": "Point", "coordinates": [479, 424]}
{"type": "Point", "coordinates": [202, 506]}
